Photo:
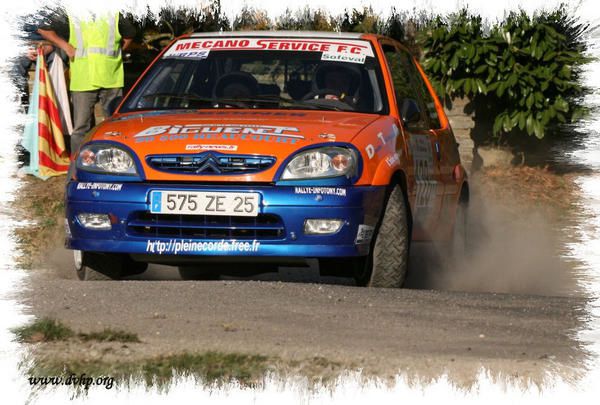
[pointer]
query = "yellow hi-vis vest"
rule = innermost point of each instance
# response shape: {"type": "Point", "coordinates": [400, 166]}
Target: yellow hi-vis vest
{"type": "Point", "coordinates": [97, 62]}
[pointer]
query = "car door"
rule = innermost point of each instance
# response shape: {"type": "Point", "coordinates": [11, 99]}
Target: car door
{"type": "Point", "coordinates": [427, 189]}
{"type": "Point", "coordinates": [447, 154]}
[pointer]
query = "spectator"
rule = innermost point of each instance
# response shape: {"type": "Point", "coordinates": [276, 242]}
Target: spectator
{"type": "Point", "coordinates": [93, 45]}
{"type": "Point", "coordinates": [24, 62]}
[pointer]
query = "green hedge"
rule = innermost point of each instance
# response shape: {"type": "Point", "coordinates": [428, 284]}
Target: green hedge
{"type": "Point", "coordinates": [528, 67]}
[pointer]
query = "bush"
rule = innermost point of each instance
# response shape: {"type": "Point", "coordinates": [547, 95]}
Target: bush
{"type": "Point", "coordinates": [528, 67]}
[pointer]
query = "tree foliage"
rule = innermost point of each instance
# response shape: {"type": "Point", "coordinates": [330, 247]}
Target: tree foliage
{"type": "Point", "coordinates": [306, 20]}
{"type": "Point", "coordinates": [252, 19]}
{"type": "Point", "coordinates": [529, 66]}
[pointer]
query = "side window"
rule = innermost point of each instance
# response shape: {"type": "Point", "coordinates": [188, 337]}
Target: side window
{"type": "Point", "coordinates": [408, 83]}
{"type": "Point", "coordinates": [434, 119]}
{"type": "Point", "coordinates": [403, 87]}
{"type": "Point", "coordinates": [166, 82]}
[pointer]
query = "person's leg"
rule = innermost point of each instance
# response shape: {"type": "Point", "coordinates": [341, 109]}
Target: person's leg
{"type": "Point", "coordinates": [108, 96]}
{"type": "Point", "coordinates": [83, 114]}
{"type": "Point", "coordinates": [20, 73]}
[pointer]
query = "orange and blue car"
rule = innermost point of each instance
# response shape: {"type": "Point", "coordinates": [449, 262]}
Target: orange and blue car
{"type": "Point", "coordinates": [268, 147]}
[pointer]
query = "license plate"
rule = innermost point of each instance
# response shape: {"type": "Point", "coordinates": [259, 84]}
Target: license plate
{"type": "Point", "coordinates": [204, 203]}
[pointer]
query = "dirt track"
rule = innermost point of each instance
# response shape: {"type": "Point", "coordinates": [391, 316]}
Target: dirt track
{"type": "Point", "coordinates": [381, 330]}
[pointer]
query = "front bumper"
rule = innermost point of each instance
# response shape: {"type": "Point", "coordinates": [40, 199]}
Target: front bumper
{"type": "Point", "coordinates": [126, 203]}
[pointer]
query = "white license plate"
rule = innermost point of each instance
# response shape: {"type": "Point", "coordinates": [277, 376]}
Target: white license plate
{"type": "Point", "coordinates": [204, 203]}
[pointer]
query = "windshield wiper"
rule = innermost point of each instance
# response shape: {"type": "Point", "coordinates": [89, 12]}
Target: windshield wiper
{"type": "Point", "coordinates": [312, 104]}
{"type": "Point", "coordinates": [240, 103]}
{"type": "Point", "coordinates": [251, 102]}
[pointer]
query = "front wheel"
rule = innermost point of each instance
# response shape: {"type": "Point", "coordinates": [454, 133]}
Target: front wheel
{"type": "Point", "coordinates": [105, 266]}
{"type": "Point", "coordinates": [387, 264]}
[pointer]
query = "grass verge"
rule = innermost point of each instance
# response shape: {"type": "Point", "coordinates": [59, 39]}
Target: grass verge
{"type": "Point", "coordinates": [41, 203]}
{"type": "Point", "coordinates": [43, 330]}
{"type": "Point", "coordinates": [110, 335]}
{"type": "Point", "coordinates": [50, 330]}
{"type": "Point", "coordinates": [210, 368]}
{"type": "Point", "coordinates": [207, 368]}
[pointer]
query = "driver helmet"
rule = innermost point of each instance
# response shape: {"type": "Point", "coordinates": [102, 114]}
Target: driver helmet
{"type": "Point", "coordinates": [342, 77]}
{"type": "Point", "coordinates": [236, 85]}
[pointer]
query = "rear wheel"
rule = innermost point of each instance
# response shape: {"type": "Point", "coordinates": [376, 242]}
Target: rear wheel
{"type": "Point", "coordinates": [387, 264]}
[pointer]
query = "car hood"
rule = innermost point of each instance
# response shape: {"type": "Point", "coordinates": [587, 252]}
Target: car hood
{"type": "Point", "coordinates": [267, 133]}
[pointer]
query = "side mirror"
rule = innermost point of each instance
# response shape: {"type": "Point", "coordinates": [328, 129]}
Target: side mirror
{"type": "Point", "coordinates": [409, 111]}
{"type": "Point", "coordinates": [112, 106]}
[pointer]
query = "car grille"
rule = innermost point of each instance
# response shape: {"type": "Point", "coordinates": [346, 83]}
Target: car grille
{"type": "Point", "coordinates": [210, 163]}
{"type": "Point", "coordinates": [263, 226]}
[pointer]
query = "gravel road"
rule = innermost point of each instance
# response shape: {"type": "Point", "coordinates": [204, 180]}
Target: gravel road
{"type": "Point", "coordinates": [296, 315]}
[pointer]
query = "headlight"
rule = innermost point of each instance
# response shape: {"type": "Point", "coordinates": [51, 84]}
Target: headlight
{"type": "Point", "coordinates": [329, 161]}
{"type": "Point", "coordinates": [105, 159]}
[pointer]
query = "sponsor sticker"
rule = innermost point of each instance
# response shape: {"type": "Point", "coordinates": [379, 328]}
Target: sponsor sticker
{"type": "Point", "coordinates": [177, 246]}
{"type": "Point", "coordinates": [343, 57]}
{"type": "Point", "coordinates": [237, 129]}
{"type": "Point", "coordinates": [365, 234]}
{"type": "Point", "coordinates": [392, 160]}
{"type": "Point", "coordinates": [211, 147]}
{"type": "Point", "coordinates": [100, 186]}
{"type": "Point", "coordinates": [330, 137]}
{"type": "Point", "coordinates": [383, 140]}
{"type": "Point", "coordinates": [220, 132]}
{"type": "Point", "coordinates": [193, 54]}
{"type": "Point", "coordinates": [333, 47]}
{"type": "Point", "coordinates": [335, 191]}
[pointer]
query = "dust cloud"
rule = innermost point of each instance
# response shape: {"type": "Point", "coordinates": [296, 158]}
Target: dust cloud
{"type": "Point", "coordinates": [513, 248]}
{"type": "Point", "coordinates": [58, 261]}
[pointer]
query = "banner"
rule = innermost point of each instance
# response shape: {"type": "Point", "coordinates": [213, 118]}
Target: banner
{"type": "Point", "coordinates": [43, 135]}
{"type": "Point", "coordinates": [59, 84]}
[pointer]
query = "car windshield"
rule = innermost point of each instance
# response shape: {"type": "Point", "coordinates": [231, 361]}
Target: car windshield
{"type": "Point", "coordinates": [267, 73]}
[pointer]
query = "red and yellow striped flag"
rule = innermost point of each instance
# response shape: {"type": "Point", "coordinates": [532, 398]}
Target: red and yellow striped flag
{"type": "Point", "coordinates": [53, 157]}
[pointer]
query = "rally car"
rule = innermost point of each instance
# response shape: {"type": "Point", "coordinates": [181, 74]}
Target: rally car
{"type": "Point", "coordinates": [268, 148]}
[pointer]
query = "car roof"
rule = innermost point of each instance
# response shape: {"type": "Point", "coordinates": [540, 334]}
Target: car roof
{"type": "Point", "coordinates": [295, 34]}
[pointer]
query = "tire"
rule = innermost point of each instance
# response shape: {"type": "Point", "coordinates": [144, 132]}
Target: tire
{"type": "Point", "coordinates": [195, 273]}
{"type": "Point", "coordinates": [387, 264]}
{"type": "Point", "coordinates": [91, 266]}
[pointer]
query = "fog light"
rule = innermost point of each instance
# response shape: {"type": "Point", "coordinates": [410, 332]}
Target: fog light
{"type": "Point", "coordinates": [322, 226]}
{"type": "Point", "coordinates": [99, 222]}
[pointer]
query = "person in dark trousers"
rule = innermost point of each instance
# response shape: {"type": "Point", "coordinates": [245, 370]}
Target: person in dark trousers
{"type": "Point", "coordinates": [93, 44]}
